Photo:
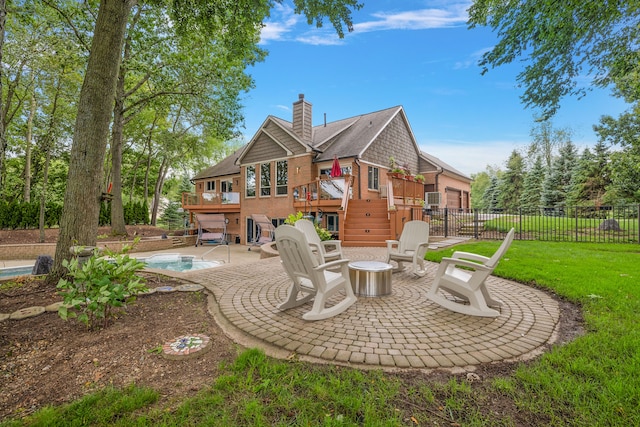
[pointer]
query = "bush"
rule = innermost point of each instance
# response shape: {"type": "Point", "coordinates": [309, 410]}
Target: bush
{"type": "Point", "coordinates": [98, 286]}
{"type": "Point", "coordinates": [323, 233]}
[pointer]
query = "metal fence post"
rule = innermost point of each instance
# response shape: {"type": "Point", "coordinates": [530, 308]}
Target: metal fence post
{"type": "Point", "coordinates": [476, 224]}
{"type": "Point", "coordinates": [446, 222]}
{"type": "Point", "coordinates": [520, 221]}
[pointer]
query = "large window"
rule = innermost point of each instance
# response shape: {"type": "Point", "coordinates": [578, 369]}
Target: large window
{"type": "Point", "coordinates": [226, 186]}
{"type": "Point", "coordinates": [250, 185]}
{"type": "Point", "coordinates": [374, 181]}
{"type": "Point", "coordinates": [282, 177]}
{"type": "Point", "coordinates": [265, 179]}
{"type": "Point", "coordinates": [211, 186]}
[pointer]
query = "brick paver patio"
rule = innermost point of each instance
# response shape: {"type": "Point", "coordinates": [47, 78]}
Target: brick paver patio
{"type": "Point", "coordinates": [401, 330]}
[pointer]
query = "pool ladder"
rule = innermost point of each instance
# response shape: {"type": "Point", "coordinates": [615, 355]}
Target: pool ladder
{"type": "Point", "coordinates": [218, 247]}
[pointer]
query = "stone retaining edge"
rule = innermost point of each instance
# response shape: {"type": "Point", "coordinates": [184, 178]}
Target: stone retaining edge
{"type": "Point", "coordinates": [32, 251]}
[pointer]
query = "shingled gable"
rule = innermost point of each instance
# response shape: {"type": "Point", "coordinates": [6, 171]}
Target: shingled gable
{"type": "Point", "coordinates": [351, 137]}
{"type": "Point", "coordinates": [270, 132]}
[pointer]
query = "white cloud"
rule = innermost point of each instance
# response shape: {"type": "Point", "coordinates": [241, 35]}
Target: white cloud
{"type": "Point", "coordinates": [283, 23]}
{"type": "Point", "coordinates": [472, 157]}
{"type": "Point", "coordinates": [423, 19]}
{"type": "Point", "coordinates": [320, 38]}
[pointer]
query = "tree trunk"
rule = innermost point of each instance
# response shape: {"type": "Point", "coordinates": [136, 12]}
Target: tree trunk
{"type": "Point", "coordinates": [118, 227]}
{"type": "Point", "coordinates": [3, 107]}
{"type": "Point", "coordinates": [81, 209]}
{"type": "Point", "coordinates": [27, 150]}
{"type": "Point", "coordinates": [43, 196]}
{"type": "Point", "coordinates": [157, 193]}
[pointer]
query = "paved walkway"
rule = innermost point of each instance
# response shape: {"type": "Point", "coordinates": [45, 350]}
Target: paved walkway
{"type": "Point", "coordinates": [401, 330]}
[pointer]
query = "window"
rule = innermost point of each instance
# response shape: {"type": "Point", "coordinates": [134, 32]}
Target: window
{"type": "Point", "coordinates": [332, 223]}
{"type": "Point", "coordinates": [211, 186]}
{"type": "Point", "coordinates": [374, 183]}
{"type": "Point", "coordinates": [226, 186]}
{"type": "Point", "coordinates": [265, 179]}
{"type": "Point", "coordinates": [282, 177]}
{"type": "Point", "coordinates": [250, 185]}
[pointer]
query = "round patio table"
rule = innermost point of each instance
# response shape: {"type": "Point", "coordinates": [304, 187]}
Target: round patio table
{"type": "Point", "coordinates": [370, 278]}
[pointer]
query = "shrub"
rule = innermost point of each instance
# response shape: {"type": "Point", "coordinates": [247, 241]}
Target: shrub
{"type": "Point", "coordinates": [92, 290]}
{"type": "Point", "coordinates": [323, 233]}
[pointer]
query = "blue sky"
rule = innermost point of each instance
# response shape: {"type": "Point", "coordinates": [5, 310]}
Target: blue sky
{"type": "Point", "coordinates": [418, 54]}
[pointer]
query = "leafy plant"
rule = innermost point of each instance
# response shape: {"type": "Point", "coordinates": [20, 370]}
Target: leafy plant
{"type": "Point", "coordinates": [323, 233]}
{"type": "Point", "coordinates": [92, 290]}
{"type": "Point", "coordinates": [419, 178]}
{"type": "Point", "coordinates": [293, 218]}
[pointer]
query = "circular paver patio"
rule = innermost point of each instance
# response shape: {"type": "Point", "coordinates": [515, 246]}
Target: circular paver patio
{"type": "Point", "coordinates": [400, 330]}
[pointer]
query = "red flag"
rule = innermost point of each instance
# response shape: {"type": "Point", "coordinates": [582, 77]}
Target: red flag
{"type": "Point", "coordinates": [309, 195]}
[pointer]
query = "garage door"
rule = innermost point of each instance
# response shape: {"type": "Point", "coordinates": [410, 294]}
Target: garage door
{"type": "Point", "coordinates": [453, 199]}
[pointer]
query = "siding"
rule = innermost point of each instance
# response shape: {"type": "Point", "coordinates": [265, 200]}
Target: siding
{"type": "Point", "coordinates": [262, 150]}
{"type": "Point", "coordinates": [395, 140]}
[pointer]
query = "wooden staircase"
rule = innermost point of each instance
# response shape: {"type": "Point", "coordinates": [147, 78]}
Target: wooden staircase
{"type": "Point", "coordinates": [367, 223]}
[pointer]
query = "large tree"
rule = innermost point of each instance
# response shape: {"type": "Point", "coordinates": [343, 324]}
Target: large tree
{"type": "Point", "coordinates": [510, 185]}
{"type": "Point", "coordinates": [239, 19]}
{"type": "Point", "coordinates": [563, 42]}
{"type": "Point", "coordinates": [557, 182]}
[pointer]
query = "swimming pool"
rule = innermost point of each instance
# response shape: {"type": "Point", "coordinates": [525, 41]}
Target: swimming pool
{"type": "Point", "coordinates": [177, 262]}
{"type": "Point", "coordinates": [10, 272]}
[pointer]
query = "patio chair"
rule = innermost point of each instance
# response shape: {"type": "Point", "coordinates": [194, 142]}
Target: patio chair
{"type": "Point", "coordinates": [328, 250]}
{"type": "Point", "coordinates": [212, 229]}
{"type": "Point", "coordinates": [264, 229]}
{"type": "Point", "coordinates": [311, 279]}
{"type": "Point", "coordinates": [468, 284]}
{"type": "Point", "coordinates": [412, 247]}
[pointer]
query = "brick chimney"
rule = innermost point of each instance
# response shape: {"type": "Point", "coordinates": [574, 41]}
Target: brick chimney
{"type": "Point", "coordinates": [302, 124]}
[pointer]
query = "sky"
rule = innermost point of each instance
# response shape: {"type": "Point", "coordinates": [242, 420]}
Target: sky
{"type": "Point", "coordinates": [417, 54]}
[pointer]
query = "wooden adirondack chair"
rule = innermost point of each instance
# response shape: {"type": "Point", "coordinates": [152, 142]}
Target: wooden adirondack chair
{"type": "Point", "coordinates": [412, 247]}
{"type": "Point", "coordinates": [310, 278]}
{"type": "Point", "coordinates": [318, 246]}
{"type": "Point", "coordinates": [468, 284]}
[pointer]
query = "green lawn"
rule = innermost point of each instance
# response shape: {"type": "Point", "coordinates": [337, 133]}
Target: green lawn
{"type": "Point", "coordinates": [592, 381]}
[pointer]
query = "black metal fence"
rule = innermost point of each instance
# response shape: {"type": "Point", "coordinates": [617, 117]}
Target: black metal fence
{"type": "Point", "coordinates": [602, 224]}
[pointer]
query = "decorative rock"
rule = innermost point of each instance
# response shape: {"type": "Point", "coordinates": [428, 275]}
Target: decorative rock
{"type": "Point", "coordinates": [189, 288]}
{"type": "Point", "coordinates": [26, 312]}
{"type": "Point", "coordinates": [4, 316]}
{"type": "Point", "coordinates": [43, 265]}
{"type": "Point", "coordinates": [186, 346]}
{"type": "Point", "coordinates": [609, 225]}
{"type": "Point", "coordinates": [54, 307]}
{"type": "Point", "coordinates": [148, 291]}
{"type": "Point", "coordinates": [165, 289]}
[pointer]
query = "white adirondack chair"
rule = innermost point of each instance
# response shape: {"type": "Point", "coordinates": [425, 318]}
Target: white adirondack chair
{"type": "Point", "coordinates": [468, 284]}
{"type": "Point", "coordinates": [327, 250]}
{"type": "Point", "coordinates": [412, 247]}
{"type": "Point", "coordinates": [310, 278]}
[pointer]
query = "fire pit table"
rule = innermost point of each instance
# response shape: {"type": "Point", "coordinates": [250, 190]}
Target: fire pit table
{"type": "Point", "coordinates": [370, 278]}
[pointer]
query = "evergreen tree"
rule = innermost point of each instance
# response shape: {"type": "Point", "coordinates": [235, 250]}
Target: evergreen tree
{"type": "Point", "coordinates": [511, 182]}
{"type": "Point", "coordinates": [530, 199]}
{"type": "Point", "coordinates": [490, 198]}
{"type": "Point", "coordinates": [557, 182]}
{"type": "Point", "coordinates": [590, 177]}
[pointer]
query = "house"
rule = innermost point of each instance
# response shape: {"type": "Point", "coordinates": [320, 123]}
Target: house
{"type": "Point", "coordinates": [286, 167]}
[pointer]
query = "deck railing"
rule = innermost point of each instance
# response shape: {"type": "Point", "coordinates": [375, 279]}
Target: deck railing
{"type": "Point", "coordinates": [210, 199]}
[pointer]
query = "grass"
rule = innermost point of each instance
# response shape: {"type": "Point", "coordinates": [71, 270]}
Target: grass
{"type": "Point", "coordinates": [593, 380]}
